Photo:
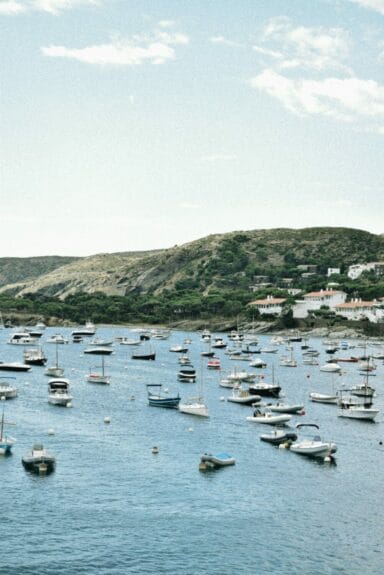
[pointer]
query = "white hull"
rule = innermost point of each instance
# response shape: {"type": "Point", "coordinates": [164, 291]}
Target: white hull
{"type": "Point", "coordinates": [59, 399]}
{"type": "Point", "coordinates": [355, 412]}
{"type": "Point", "coordinates": [270, 419]}
{"type": "Point", "coordinates": [54, 371]}
{"type": "Point", "coordinates": [194, 409]}
{"type": "Point", "coordinates": [313, 448]}
{"type": "Point", "coordinates": [286, 408]}
{"type": "Point", "coordinates": [323, 398]}
{"type": "Point", "coordinates": [94, 378]}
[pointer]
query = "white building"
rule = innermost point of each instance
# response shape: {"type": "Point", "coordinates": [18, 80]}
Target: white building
{"type": "Point", "coordinates": [356, 270]}
{"type": "Point", "coordinates": [332, 271]}
{"type": "Point", "coordinates": [270, 305]}
{"type": "Point", "coordinates": [358, 310]}
{"type": "Point", "coordinates": [315, 300]}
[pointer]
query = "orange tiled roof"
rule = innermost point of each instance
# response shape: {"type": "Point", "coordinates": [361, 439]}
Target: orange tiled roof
{"type": "Point", "coordinates": [274, 301]}
{"type": "Point", "coordinates": [321, 293]}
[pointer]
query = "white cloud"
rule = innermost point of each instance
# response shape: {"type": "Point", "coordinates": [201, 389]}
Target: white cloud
{"type": "Point", "coordinates": [9, 7]}
{"type": "Point", "coordinates": [348, 99]}
{"type": "Point", "coordinates": [156, 50]}
{"type": "Point", "coordinates": [304, 47]}
{"type": "Point", "coordinates": [377, 5]}
{"type": "Point", "coordinates": [225, 42]}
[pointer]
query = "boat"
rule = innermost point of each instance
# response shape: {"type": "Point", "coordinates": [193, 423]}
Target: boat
{"type": "Point", "coordinates": [161, 400]}
{"type": "Point", "coordinates": [269, 418]}
{"type": "Point", "coordinates": [149, 355]}
{"type": "Point", "coordinates": [187, 374]}
{"type": "Point", "coordinates": [129, 341]}
{"type": "Point", "coordinates": [99, 350]}
{"type": "Point", "coordinates": [39, 460]}
{"type": "Point", "coordinates": [241, 376]}
{"type": "Point", "coordinates": [278, 437]}
{"type": "Point", "coordinates": [14, 366]}
{"type": "Point", "coordinates": [6, 441]}
{"type": "Point", "coordinates": [98, 341]}
{"type": "Point", "coordinates": [261, 387]}
{"type": "Point", "coordinates": [184, 360]}
{"type": "Point", "coordinates": [57, 338]}
{"type": "Point", "coordinates": [88, 330]}
{"type": "Point", "coordinates": [282, 407]}
{"type": "Point", "coordinates": [55, 370]}
{"type": "Point", "coordinates": [22, 338]}
{"type": "Point", "coordinates": [243, 396]}
{"type": "Point", "coordinates": [257, 362]}
{"type": "Point", "coordinates": [288, 361]}
{"type": "Point", "coordinates": [355, 408]}
{"type": "Point", "coordinates": [214, 363]}
{"type": "Point", "coordinates": [34, 356]}
{"type": "Point", "coordinates": [313, 446]}
{"type": "Point", "coordinates": [58, 392]}
{"type": "Point", "coordinates": [331, 367]}
{"type": "Point", "coordinates": [178, 349]}
{"type": "Point", "coordinates": [77, 339]}
{"type": "Point", "coordinates": [196, 405]}
{"type": "Point", "coordinates": [214, 461]}
{"type": "Point", "coordinates": [323, 397]}
{"type": "Point", "coordinates": [219, 343]}
{"type": "Point", "coordinates": [99, 377]}
{"type": "Point", "coordinates": [7, 391]}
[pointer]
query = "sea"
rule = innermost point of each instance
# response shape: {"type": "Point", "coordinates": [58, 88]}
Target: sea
{"type": "Point", "coordinates": [113, 507]}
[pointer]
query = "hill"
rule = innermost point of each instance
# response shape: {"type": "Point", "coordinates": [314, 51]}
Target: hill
{"type": "Point", "coordinates": [230, 260]}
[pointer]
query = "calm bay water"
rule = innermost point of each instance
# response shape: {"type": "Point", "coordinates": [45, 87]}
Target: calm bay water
{"type": "Point", "coordinates": [112, 507]}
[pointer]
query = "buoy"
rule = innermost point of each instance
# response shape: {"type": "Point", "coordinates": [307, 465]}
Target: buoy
{"type": "Point", "coordinates": [3, 398]}
{"type": "Point", "coordinates": [155, 450]}
{"type": "Point", "coordinates": [131, 397]}
{"type": "Point", "coordinates": [190, 428]}
{"type": "Point", "coordinates": [107, 419]}
{"type": "Point", "coordinates": [222, 398]}
{"type": "Point", "coordinates": [69, 404]}
{"type": "Point", "coordinates": [202, 466]}
{"type": "Point", "coordinates": [327, 458]}
{"type": "Point", "coordinates": [283, 445]}
{"type": "Point", "coordinates": [51, 431]}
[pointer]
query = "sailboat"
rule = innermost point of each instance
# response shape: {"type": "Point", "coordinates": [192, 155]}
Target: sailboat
{"type": "Point", "coordinates": [55, 370]}
{"type": "Point", "coordinates": [331, 397]}
{"type": "Point", "coordinates": [6, 442]}
{"type": "Point", "coordinates": [99, 377]}
{"type": "Point", "coordinates": [195, 405]}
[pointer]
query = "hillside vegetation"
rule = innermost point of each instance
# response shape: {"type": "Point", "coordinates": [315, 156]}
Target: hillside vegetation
{"type": "Point", "coordinates": [230, 260]}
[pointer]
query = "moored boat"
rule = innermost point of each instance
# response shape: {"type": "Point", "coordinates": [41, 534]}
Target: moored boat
{"type": "Point", "coordinates": [214, 461]}
{"type": "Point", "coordinates": [161, 400]}
{"type": "Point", "coordinates": [39, 460]}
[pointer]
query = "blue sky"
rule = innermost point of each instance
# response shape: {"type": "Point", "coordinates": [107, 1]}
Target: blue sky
{"type": "Point", "coordinates": [132, 125]}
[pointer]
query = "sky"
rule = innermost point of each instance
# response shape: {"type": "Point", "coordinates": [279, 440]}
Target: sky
{"type": "Point", "coordinates": [132, 125]}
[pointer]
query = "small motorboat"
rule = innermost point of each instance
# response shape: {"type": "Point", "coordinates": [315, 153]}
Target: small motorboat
{"type": "Point", "coordinates": [268, 417]}
{"type": "Point", "coordinates": [243, 396]}
{"type": "Point", "coordinates": [178, 349]}
{"type": "Point", "coordinates": [14, 366]}
{"type": "Point", "coordinates": [214, 363]}
{"type": "Point", "coordinates": [34, 356]}
{"type": "Point", "coordinates": [279, 436]}
{"type": "Point", "coordinates": [194, 406]}
{"type": "Point", "coordinates": [187, 374]}
{"type": "Point", "coordinates": [355, 407]}
{"type": "Point", "coordinates": [282, 407]}
{"type": "Point", "coordinates": [7, 391]}
{"type": "Point", "coordinates": [215, 461]}
{"type": "Point", "coordinates": [88, 329]}
{"type": "Point", "coordinates": [313, 446]}
{"type": "Point", "coordinates": [58, 392]}
{"type": "Point", "coordinates": [323, 397]}
{"type": "Point", "coordinates": [57, 338]}
{"type": "Point", "coordinates": [331, 367]}
{"type": "Point", "coordinates": [99, 350]}
{"type": "Point", "coordinates": [39, 460]}
{"type": "Point", "coordinates": [161, 400]}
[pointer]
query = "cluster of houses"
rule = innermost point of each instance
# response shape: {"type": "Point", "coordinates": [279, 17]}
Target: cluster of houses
{"type": "Point", "coordinates": [333, 299]}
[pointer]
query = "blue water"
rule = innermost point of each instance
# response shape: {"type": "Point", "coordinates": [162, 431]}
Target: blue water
{"type": "Point", "coordinates": [112, 507]}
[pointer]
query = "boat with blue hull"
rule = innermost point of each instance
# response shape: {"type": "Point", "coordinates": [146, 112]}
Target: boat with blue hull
{"type": "Point", "coordinates": [156, 399]}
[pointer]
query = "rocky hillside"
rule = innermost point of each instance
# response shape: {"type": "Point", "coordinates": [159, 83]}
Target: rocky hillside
{"type": "Point", "coordinates": [222, 260]}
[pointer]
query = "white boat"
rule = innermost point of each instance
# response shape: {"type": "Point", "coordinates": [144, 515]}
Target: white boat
{"type": "Point", "coordinates": [22, 338]}
{"type": "Point", "coordinates": [243, 396]}
{"type": "Point", "coordinates": [282, 407]}
{"type": "Point", "coordinates": [239, 376]}
{"type": "Point", "coordinates": [331, 367]}
{"type": "Point", "coordinates": [58, 392]}
{"type": "Point", "coordinates": [353, 407]}
{"type": "Point", "coordinates": [7, 391]}
{"type": "Point", "coordinates": [313, 446]}
{"type": "Point", "coordinates": [99, 350]}
{"type": "Point", "coordinates": [194, 406]}
{"type": "Point", "coordinates": [14, 366]}
{"type": "Point", "coordinates": [99, 376]}
{"type": "Point", "coordinates": [323, 397]}
{"type": "Point", "coordinates": [57, 338]}
{"type": "Point", "coordinates": [257, 362]}
{"type": "Point", "coordinates": [268, 417]}
{"type": "Point", "coordinates": [34, 356]}
{"type": "Point", "coordinates": [88, 329]}
{"type": "Point", "coordinates": [129, 341]}
{"type": "Point", "coordinates": [98, 341]}
{"type": "Point", "coordinates": [55, 370]}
